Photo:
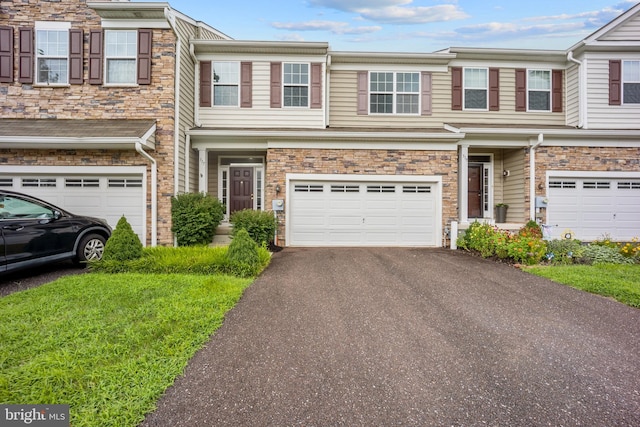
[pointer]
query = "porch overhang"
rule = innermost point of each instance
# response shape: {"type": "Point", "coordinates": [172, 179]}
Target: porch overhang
{"type": "Point", "coordinates": [329, 138]}
{"type": "Point", "coordinates": [69, 134]}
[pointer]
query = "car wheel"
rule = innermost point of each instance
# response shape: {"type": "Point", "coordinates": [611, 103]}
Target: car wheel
{"type": "Point", "coordinates": [91, 248]}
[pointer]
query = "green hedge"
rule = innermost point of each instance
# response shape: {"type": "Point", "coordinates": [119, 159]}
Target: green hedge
{"type": "Point", "coordinates": [261, 225]}
{"type": "Point", "coordinates": [195, 217]}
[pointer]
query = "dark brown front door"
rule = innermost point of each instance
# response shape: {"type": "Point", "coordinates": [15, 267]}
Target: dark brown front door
{"type": "Point", "coordinates": [241, 189]}
{"type": "Point", "coordinates": [474, 189]}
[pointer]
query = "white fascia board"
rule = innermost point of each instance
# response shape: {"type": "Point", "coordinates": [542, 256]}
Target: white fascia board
{"type": "Point", "coordinates": [139, 23]}
{"type": "Point", "coordinates": [231, 145]}
{"type": "Point", "coordinates": [322, 135]}
{"type": "Point", "coordinates": [362, 178]}
{"type": "Point", "coordinates": [365, 145]}
{"type": "Point", "coordinates": [591, 174]}
{"type": "Point", "coordinates": [592, 142]}
{"type": "Point", "coordinates": [75, 170]}
{"type": "Point", "coordinates": [498, 63]}
{"type": "Point", "coordinates": [433, 68]}
{"type": "Point", "coordinates": [66, 143]}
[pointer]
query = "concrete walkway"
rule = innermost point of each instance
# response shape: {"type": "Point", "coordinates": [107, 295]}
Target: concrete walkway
{"type": "Point", "coordinates": [411, 337]}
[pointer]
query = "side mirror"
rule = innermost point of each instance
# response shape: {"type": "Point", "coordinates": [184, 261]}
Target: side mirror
{"type": "Point", "coordinates": [57, 215]}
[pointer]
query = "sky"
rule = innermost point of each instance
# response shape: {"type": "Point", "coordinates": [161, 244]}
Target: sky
{"type": "Point", "coordinates": [409, 25]}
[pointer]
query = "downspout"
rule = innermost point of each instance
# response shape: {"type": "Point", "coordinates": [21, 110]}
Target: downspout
{"type": "Point", "coordinates": [196, 109]}
{"type": "Point", "coordinates": [154, 193]}
{"type": "Point", "coordinates": [582, 92]}
{"type": "Point", "coordinates": [176, 114]}
{"type": "Point", "coordinates": [532, 177]}
{"type": "Point", "coordinates": [327, 118]}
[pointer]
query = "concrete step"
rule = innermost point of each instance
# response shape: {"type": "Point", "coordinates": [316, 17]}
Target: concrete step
{"type": "Point", "coordinates": [223, 235]}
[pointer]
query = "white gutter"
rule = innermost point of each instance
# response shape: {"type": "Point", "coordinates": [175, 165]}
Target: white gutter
{"type": "Point", "coordinates": [327, 76]}
{"type": "Point", "coordinates": [582, 89]}
{"type": "Point", "coordinates": [532, 177]}
{"type": "Point", "coordinates": [154, 193]}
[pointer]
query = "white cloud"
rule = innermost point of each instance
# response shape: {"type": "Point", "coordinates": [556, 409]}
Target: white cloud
{"type": "Point", "coordinates": [395, 11]}
{"type": "Point", "coordinates": [331, 26]}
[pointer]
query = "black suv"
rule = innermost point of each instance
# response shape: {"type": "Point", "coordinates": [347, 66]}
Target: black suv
{"type": "Point", "coordinates": [34, 232]}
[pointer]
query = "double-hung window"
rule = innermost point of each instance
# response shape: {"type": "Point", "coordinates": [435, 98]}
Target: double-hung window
{"type": "Point", "coordinates": [121, 48]}
{"type": "Point", "coordinates": [296, 85]}
{"type": "Point", "coordinates": [476, 88]}
{"type": "Point", "coordinates": [394, 93]}
{"type": "Point", "coordinates": [226, 81]}
{"type": "Point", "coordinates": [52, 53]}
{"type": "Point", "coordinates": [631, 82]}
{"type": "Point", "coordinates": [539, 90]}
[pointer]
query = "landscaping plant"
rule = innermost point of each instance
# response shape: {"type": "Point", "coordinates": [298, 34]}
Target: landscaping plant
{"type": "Point", "coordinates": [261, 225]}
{"type": "Point", "coordinates": [195, 217]}
{"type": "Point", "coordinates": [123, 245]}
{"type": "Point", "coordinates": [243, 252]}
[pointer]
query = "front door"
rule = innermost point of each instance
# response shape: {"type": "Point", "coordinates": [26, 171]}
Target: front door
{"type": "Point", "coordinates": [474, 203]}
{"type": "Point", "coordinates": [241, 189]}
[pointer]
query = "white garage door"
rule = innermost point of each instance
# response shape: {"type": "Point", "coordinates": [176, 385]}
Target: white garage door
{"type": "Point", "coordinates": [107, 197]}
{"type": "Point", "coordinates": [593, 208]}
{"type": "Point", "coordinates": [343, 213]}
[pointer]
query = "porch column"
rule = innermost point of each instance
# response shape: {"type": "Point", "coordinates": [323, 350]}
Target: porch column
{"type": "Point", "coordinates": [203, 170]}
{"type": "Point", "coordinates": [463, 185]}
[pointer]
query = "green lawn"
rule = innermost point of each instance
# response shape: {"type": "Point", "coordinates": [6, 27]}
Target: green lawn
{"type": "Point", "coordinates": [621, 282]}
{"type": "Point", "coordinates": [107, 345]}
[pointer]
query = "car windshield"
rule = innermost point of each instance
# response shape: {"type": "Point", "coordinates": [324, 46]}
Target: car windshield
{"type": "Point", "coordinates": [15, 208]}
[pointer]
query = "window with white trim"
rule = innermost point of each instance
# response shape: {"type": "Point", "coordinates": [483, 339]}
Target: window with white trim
{"type": "Point", "coordinates": [226, 83]}
{"type": "Point", "coordinates": [476, 88]}
{"type": "Point", "coordinates": [631, 82]}
{"type": "Point", "coordinates": [539, 90]}
{"type": "Point", "coordinates": [52, 53]}
{"type": "Point", "coordinates": [295, 85]}
{"type": "Point", "coordinates": [394, 93]}
{"type": "Point", "coordinates": [121, 51]}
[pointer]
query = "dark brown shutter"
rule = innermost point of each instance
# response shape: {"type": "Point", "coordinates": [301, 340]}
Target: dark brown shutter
{"type": "Point", "coordinates": [95, 57]}
{"type": "Point", "coordinates": [205, 83]}
{"type": "Point", "coordinates": [6, 54]}
{"type": "Point", "coordinates": [494, 89]}
{"type": "Point", "coordinates": [276, 85]}
{"type": "Point", "coordinates": [316, 85]}
{"type": "Point", "coordinates": [521, 89]}
{"type": "Point", "coordinates": [25, 55]}
{"type": "Point", "coordinates": [456, 88]}
{"type": "Point", "coordinates": [427, 96]}
{"type": "Point", "coordinates": [76, 44]}
{"type": "Point", "coordinates": [557, 77]}
{"type": "Point", "coordinates": [363, 93]}
{"type": "Point", "coordinates": [246, 85]}
{"type": "Point", "coordinates": [615, 82]}
{"type": "Point", "coordinates": [145, 38]}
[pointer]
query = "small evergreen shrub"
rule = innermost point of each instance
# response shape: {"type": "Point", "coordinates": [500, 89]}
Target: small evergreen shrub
{"type": "Point", "coordinates": [261, 225]}
{"type": "Point", "coordinates": [195, 217]}
{"type": "Point", "coordinates": [124, 244]}
{"type": "Point", "coordinates": [243, 253]}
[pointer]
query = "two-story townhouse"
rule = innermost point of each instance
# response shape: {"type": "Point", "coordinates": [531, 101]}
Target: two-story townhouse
{"type": "Point", "coordinates": [96, 98]}
{"type": "Point", "coordinates": [404, 146]}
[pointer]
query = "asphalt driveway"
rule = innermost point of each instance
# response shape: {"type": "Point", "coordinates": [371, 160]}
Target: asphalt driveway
{"type": "Point", "coordinates": [381, 337]}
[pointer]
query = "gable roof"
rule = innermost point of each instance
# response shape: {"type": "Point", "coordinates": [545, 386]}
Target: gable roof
{"type": "Point", "coordinates": [596, 39]}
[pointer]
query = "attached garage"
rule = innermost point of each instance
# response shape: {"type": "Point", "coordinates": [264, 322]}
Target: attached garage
{"type": "Point", "coordinates": [347, 210]}
{"type": "Point", "coordinates": [107, 196]}
{"type": "Point", "coordinates": [595, 206]}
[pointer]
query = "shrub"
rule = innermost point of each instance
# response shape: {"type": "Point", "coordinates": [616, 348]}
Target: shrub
{"type": "Point", "coordinates": [600, 254]}
{"type": "Point", "coordinates": [243, 252]}
{"type": "Point", "coordinates": [195, 217]}
{"type": "Point", "coordinates": [124, 244]}
{"type": "Point", "coordinates": [261, 225]}
{"type": "Point", "coordinates": [631, 249]}
{"type": "Point", "coordinates": [564, 251]}
{"type": "Point", "coordinates": [527, 250]}
{"type": "Point", "coordinates": [531, 229]}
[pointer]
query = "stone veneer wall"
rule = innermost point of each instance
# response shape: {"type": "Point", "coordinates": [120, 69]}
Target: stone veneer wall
{"type": "Point", "coordinates": [280, 162]}
{"type": "Point", "coordinates": [601, 159]}
{"type": "Point", "coordinates": [154, 101]}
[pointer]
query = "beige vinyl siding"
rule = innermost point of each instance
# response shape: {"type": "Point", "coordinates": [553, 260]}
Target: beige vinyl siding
{"type": "Point", "coordinates": [261, 115]}
{"type": "Point", "coordinates": [601, 115]}
{"type": "Point", "coordinates": [186, 103]}
{"type": "Point", "coordinates": [629, 30]}
{"type": "Point", "coordinates": [514, 189]}
{"type": "Point", "coordinates": [343, 107]}
{"type": "Point", "coordinates": [572, 92]}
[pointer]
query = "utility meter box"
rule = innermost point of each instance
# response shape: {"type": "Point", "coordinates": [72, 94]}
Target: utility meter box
{"type": "Point", "coordinates": [541, 202]}
{"type": "Point", "coordinates": [278, 205]}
